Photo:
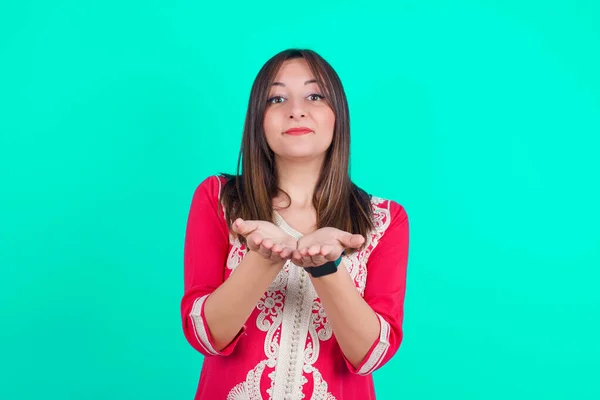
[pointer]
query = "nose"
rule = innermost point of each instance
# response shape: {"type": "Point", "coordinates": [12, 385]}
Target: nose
{"type": "Point", "coordinates": [297, 110]}
{"type": "Point", "coordinates": [297, 116]}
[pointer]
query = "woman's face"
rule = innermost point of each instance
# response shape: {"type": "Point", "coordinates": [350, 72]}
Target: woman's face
{"type": "Point", "coordinates": [295, 101]}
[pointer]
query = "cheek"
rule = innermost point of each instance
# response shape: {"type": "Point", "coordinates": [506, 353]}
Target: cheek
{"type": "Point", "coordinates": [272, 128]}
{"type": "Point", "coordinates": [272, 122]}
{"type": "Point", "coordinates": [326, 119]}
{"type": "Point", "coordinates": [269, 124]}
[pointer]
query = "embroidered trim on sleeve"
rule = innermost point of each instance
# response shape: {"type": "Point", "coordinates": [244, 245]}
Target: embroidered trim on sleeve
{"type": "Point", "coordinates": [380, 349]}
{"type": "Point", "coordinates": [200, 327]}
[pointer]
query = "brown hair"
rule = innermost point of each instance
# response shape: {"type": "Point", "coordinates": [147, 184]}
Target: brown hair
{"type": "Point", "coordinates": [338, 201]}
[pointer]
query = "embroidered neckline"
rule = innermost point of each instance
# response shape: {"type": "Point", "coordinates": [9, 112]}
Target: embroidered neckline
{"type": "Point", "coordinates": [287, 228]}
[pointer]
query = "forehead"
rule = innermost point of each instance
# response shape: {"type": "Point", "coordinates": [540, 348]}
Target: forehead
{"type": "Point", "coordinates": [295, 70]}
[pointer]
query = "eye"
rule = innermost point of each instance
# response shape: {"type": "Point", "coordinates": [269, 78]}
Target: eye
{"type": "Point", "coordinates": [275, 99]}
{"type": "Point", "coordinates": [316, 96]}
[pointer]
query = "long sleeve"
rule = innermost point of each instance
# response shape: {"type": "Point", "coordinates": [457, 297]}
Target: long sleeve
{"type": "Point", "coordinates": [385, 290]}
{"type": "Point", "coordinates": [205, 257]}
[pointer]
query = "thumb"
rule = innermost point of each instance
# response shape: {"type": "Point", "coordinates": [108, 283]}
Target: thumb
{"type": "Point", "coordinates": [351, 241]}
{"type": "Point", "coordinates": [244, 228]}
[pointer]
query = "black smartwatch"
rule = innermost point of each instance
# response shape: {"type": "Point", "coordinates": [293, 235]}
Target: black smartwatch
{"type": "Point", "coordinates": [325, 269]}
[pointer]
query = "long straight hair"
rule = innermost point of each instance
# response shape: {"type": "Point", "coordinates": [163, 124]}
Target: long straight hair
{"type": "Point", "coordinates": [249, 194]}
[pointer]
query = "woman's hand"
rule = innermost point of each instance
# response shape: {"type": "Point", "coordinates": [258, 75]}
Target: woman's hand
{"type": "Point", "coordinates": [324, 245]}
{"type": "Point", "coordinates": [267, 239]}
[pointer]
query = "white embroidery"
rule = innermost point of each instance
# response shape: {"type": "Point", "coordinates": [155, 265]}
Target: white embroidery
{"type": "Point", "coordinates": [358, 261]}
{"type": "Point", "coordinates": [318, 331]}
{"type": "Point", "coordinates": [270, 306]}
{"type": "Point", "coordinates": [320, 387]}
{"type": "Point", "coordinates": [357, 270]}
{"type": "Point", "coordinates": [199, 327]}
{"type": "Point", "coordinates": [319, 321]}
{"type": "Point", "coordinates": [250, 389]}
{"type": "Point", "coordinates": [296, 321]}
{"type": "Point", "coordinates": [236, 254]}
{"type": "Point", "coordinates": [269, 320]}
{"type": "Point", "coordinates": [380, 349]}
{"type": "Point", "coordinates": [381, 219]}
{"type": "Point", "coordinates": [308, 324]}
{"type": "Point", "coordinates": [239, 392]}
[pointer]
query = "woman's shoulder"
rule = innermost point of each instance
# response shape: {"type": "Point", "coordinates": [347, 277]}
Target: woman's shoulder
{"type": "Point", "coordinates": [394, 206]}
{"type": "Point", "coordinates": [387, 211]}
{"type": "Point", "coordinates": [213, 184]}
{"type": "Point", "coordinates": [206, 200]}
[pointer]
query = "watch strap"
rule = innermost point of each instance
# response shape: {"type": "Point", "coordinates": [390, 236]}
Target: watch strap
{"type": "Point", "coordinates": [325, 269]}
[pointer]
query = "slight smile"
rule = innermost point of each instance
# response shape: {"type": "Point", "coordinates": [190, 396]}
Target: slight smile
{"type": "Point", "coordinates": [298, 131]}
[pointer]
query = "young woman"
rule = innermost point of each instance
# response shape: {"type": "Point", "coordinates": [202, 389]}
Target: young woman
{"type": "Point", "coordinates": [294, 277]}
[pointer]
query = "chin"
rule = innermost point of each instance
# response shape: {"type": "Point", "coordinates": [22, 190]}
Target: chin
{"type": "Point", "coordinates": [300, 155]}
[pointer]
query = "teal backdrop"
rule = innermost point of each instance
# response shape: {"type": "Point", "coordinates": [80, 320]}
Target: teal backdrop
{"type": "Point", "coordinates": [481, 117]}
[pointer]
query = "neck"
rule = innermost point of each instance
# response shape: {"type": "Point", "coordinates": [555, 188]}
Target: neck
{"type": "Point", "coordinates": [298, 179]}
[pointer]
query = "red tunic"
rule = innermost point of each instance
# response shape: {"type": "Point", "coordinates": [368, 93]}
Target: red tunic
{"type": "Point", "coordinates": [286, 349]}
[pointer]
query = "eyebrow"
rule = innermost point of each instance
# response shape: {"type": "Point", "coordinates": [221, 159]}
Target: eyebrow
{"type": "Point", "coordinates": [283, 84]}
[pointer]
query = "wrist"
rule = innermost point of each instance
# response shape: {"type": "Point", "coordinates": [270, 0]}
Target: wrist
{"type": "Point", "coordinates": [267, 264]}
{"type": "Point", "coordinates": [328, 268]}
{"type": "Point", "coordinates": [264, 264]}
{"type": "Point", "coordinates": [275, 264]}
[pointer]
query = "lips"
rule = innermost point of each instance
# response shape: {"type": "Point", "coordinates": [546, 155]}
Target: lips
{"type": "Point", "coordinates": [298, 131]}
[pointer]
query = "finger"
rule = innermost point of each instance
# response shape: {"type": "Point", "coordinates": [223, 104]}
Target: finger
{"type": "Point", "coordinates": [254, 241]}
{"type": "Point", "coordinates": [286, 253]}
{"type": "Point", "coordinates": [244, 228]}
{"type": "Point", "coordinates": [282, 252]}
{"type": "Point", "coordinates": [296, 257]}
{"type": "Point", "coordinates": [357, 241]}
{"type": "Point", "coordinates": [277, 248]}
{"type": "Point", "coordinates": [351, 241]}
{"type": "Point", "coordinates": [258, 239]}
{"type": "Point", "coordinates": [265, 252]}
{"type": "Point", "coordinates": [268, 243]}
{"type": "Point", "coordinates": [236, 226]}
{"type": "Point", "coordinates": [313, 250]}
{"type": "Point", "coordinates": [326, 250]}
{"type": "Point", "coordinates": [306, 261]}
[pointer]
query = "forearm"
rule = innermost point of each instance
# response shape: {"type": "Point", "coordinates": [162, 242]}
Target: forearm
{"type": "Point", "coordinates": [354, 323]}
{"type": "Point", "coordinates": [229, 306]}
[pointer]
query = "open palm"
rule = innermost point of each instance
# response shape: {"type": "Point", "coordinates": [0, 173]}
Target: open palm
{"type": "Point", "coordinates": [324, 245]}
{"type": "Point", "coordinates": [266, 238]}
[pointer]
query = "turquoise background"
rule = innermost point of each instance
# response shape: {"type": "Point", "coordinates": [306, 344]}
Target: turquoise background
{"type": "Point", "coordinates": [481, 117]}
